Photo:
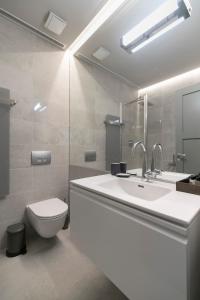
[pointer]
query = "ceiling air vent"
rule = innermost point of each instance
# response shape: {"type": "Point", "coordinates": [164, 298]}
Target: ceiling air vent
{"type": "Point", "coordinates": [101, 53]}
{"type": "Point", "coordinates": [55, 24]}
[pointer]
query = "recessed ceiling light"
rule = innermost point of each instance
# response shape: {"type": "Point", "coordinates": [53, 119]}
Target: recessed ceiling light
{"type": "Point", "coordinates": [101, 53]}
{"type": "Point", "coordinates": [37, 106]}
{"type": "Point", "coordinates": [55, 24]}
{"type": "Point", "coordinates": [43, 108]}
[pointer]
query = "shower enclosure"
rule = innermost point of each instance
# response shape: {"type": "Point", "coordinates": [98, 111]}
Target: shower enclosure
{"type": "Point", "coordinates": [123, 131]}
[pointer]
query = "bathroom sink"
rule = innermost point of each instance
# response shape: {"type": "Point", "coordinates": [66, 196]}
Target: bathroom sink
{"type": "Point", "coordinates": [136, 189]}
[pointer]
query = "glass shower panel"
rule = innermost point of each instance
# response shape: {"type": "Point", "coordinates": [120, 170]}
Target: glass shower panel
{"type": "Point", "coordinates": [132, 131]}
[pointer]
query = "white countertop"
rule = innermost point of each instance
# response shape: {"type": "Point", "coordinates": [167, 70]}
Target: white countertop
{"type": "Point", "coordinates": [170, 177]}
{"type": "Point", "coordinates": [178, 207]}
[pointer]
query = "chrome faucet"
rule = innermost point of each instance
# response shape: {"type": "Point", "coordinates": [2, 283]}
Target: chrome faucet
{"type": "Point", "coordinates": [155, 170]}
{"type": "Point", "coordinates": [142, 146]}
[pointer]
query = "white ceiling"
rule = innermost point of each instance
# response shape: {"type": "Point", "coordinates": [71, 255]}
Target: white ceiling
{"type": "Point", "coordinates": [77, 13]}
{"type": "Point", "coordinates": [174, 53]}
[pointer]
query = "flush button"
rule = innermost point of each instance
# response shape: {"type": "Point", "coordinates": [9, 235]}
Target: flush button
{"type": "Point", "coordinates": [41, 157]}
{"type": "Point", "coordinates": [90, 156]}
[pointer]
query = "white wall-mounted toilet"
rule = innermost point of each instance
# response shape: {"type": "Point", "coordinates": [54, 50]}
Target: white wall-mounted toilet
{"type": "Point", "coordinates": [47, 217]}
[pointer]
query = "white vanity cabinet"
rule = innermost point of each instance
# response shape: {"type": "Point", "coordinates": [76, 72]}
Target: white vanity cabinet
{"type": "Point", "coordinates": [146, 257]}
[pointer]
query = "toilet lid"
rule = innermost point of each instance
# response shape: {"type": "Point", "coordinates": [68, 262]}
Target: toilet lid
{"type": "Point", "coordinates": [50, 208]}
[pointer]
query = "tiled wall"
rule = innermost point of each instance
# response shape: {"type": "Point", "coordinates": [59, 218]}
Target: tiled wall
{"type": "Point", "coordinates": [34, 71]}
{"type": "Point", "coordinates": [94, 93]}
{"type": "Point", "coordinates": [162, 115]}
{"type": "Point", "coordinates": [162, 126]}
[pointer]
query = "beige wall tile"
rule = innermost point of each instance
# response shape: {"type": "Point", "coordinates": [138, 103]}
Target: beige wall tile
{"type": "Point", "coordinates": [94, 93]}
{"type": "Point", "coordinates": [34, 71]}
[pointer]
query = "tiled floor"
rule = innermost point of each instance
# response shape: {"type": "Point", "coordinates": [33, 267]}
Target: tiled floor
{"type": "Point", "coordinates": [54, 270]}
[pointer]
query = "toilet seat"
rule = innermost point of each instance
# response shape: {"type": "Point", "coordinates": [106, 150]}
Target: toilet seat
{"type": "Point", "coordinates": [47, 217]}
{"type": "Point", "coordinates": [49, 209]}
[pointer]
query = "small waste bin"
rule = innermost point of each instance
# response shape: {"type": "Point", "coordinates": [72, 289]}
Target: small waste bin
{"type": "Point", "coordinates": [16, 240]}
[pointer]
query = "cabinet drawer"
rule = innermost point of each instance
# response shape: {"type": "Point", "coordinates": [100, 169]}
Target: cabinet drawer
{"type": "Point", "coordinates": [144, 261]}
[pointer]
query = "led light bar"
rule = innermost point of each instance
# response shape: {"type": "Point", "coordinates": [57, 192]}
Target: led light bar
{"type": "Point", "coordinates": [163, 19]}
{"type": "Point", "coordinates": [102, 16]}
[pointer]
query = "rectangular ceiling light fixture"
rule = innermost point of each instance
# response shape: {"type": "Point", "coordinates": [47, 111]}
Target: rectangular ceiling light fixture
{"type": "Point", "coordinates": [163, 19]}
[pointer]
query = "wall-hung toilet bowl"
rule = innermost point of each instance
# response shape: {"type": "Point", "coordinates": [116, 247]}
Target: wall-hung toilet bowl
{"type": "Point", "coordinates": [47, 217]}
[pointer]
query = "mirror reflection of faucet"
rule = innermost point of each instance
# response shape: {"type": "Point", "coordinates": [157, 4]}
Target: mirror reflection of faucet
{"type": "Point", "coordinates": [154, 160]}
{"type": "Point", "coordinates": [149, 174]}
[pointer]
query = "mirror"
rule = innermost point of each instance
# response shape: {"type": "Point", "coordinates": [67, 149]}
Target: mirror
{"type": "Point", "coordinates": [107, 113]}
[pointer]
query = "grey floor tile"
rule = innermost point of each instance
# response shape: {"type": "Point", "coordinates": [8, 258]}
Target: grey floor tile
{"type": "Point", "coordinates": [54, 270]}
